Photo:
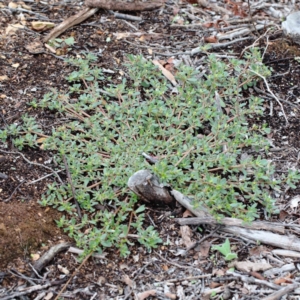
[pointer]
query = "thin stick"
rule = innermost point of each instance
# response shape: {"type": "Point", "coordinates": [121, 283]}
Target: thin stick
{"type": "Point", "coordinates": [174, 264]}
{"type": "Point", "coordinates": [252, 280]}
{"type": "Point", "coordinates": [33, 163]}
{"type": "Point", "coordinates": [74, 273]}
{"type": "Point", "coordinates": [72, 186]}
{"type": "Point", "coordinates": [41, 178]}
{"type": "Point", "coordinates": [6, 200]}
{"type": "Point", "coordinates": [284, 291]}
{"type": "Point", "coordinates": [32, 289]}
{"type": "Point", "coordinates": [20, 275]}
{"type": "Point", "coordinates": [184, 156]}
{"type": "Point", "coordinates": [186, 278]}
{"type": "Point", "coordinates": [269, 90]}
{"type": "Point", "coordinates": [251, 20]}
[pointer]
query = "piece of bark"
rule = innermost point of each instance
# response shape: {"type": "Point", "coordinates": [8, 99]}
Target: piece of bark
{"type": "Point", "coordinates": [280, 270]}
{"type": "Point", "coordinates": [49, 255]}
{"type": "Point", "coordinates": [71, 21]}
{"type": "Point", "coordinates": [233, 222]}
{"type": "Point", "coordinates": [124, 6]}
{"type": "Point", "coordinates": [284, 291]}
{"type": "Point", "coordinates": [147, 187]}
{"type": "Point", "coordinates": [286, 253]}
{"type": "Point", "coordinates": [281, 241]}
{"type": "Point", "coordinates": [214, 7]}
{"type": "Point", "coordinates": [79, 252]}
{"type": "Point", "coordinates": [200, 211]}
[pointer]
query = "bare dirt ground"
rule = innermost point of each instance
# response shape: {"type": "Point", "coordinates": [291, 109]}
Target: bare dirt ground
{"type": "Point", "coordinates": [27, 230]}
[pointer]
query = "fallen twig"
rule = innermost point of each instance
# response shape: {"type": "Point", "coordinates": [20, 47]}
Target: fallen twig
{"type": "Point", "coordinates": [74, 273]}
{"type": "Point", "coordinates": [214, 46]}
{"type": "Point", "coordinates": [6, 200]}
{"type": "Point", "coordinates": [214, 7]}
{"type": "Point", "coordinates": [125, 17]}
{"type": "Point", "coordinates": [71, 21]}
{"type": "Point", "coordinates": [279, 228]}
{"type": "Point", "coordinates": [42, 178]}
{"type": "Point", "coordinates": [275, 271]}
{"type": "Point", "coordinates": [249, 279]}
{"type": "Point", "coordinates": [20, 275]}
{"type": "Point", "coordinates": [33, 163]}
{"type": "Point", "coordinates": [32, 289]}
{"type": "Point", "coordinates": [124, 6]}
{"type": "Point", "coordinates": [49, 255]}
{"type": "Point", "coordinates": [287, 253]}
{"type": "Point", "coordinates": [273, 95]}
{"type": "Point", "coordinates": [72, 186]}
{"type": "Point", "coordinates": [238, 32]}
{"type": "Point", "coordinates": [186, 278]}
{"type": "Point", "coordinates": [79, 251]}
{"type": "Point", "coordinates": [285, 290]}
{"type": "Point", "coordinates": [281, 241]}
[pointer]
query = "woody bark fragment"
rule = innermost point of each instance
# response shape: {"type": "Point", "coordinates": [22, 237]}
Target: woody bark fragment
{"type": "Point", "coordinates": [124, 6]}
{"type": "Point", "coordinates": [69, 22]}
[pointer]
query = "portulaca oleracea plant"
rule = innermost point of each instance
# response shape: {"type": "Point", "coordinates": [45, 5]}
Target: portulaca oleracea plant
{"type": "Point", "coordinates": [200, 133]}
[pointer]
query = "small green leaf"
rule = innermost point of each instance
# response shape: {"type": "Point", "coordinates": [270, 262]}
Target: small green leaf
{"type": "Point", "coordinates": [140, 209]}
{"type": "Point", "coordinates": [70, 41]}
{"type": "Point", "coordinates": [225, 250]}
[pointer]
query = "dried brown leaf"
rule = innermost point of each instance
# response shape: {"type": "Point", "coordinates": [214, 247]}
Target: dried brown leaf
{"type": "Point", "coordinates": [187, 214]}
{"type": "Point", "coordinates": [284, 280]}
{"type": "Point", "coordinates": [213, 284]}
{"type": "Point", "coordinates": [11, 29]}
{"type": "Point", "coordinates": [204, 249]}
{"type": "Point", "coordinates": [165, 267]}
{"type": "Point", "coordinates": [283, 214]}
{"type": "Point", "coordinates": [146, 294]}
{"type": "Point", "coordinates": [41, 26]}
{"type": "Point", "coordinates": [166, 73]}
{"type": "Point", "coordinates": [258, 250]}
{"type": "Point", "coordinates": [128, 281]}
{"type": "Point", "coordinates": [35, 47]}
{"type": "Point", "coordinates": [248, 266]}
{"type": "Point", "coordinates": [186, 233]}
{"type": "Point", "coordinates": [3, 78]}
{"type": "Point", "coordinates": [211, 39]}
{"type": "Point", "coordinates": [257, 275]}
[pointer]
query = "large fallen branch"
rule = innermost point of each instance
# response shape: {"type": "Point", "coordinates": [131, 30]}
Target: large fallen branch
{"type": "Point", "coordinates": [149, 189]}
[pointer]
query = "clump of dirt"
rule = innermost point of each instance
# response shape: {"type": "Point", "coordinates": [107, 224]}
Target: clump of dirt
{"type": "Point", "coordinates": [284, 47]}
{"type": "Point", "coordinates": [24, 227]}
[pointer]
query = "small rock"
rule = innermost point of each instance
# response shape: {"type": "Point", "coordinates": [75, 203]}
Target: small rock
{"type": "Point", "coordinates": [291, 26]}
